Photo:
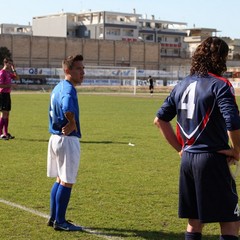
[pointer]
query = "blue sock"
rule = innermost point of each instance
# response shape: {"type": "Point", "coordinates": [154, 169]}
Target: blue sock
{"type": "Point", "coordinates": [228, 237]}
{"type": "Point", "coordinates": [193, 236]}
{"type": "Point", "coordinates": [62, 200]}
{"type": "Point", "coordinates": [53, 200]}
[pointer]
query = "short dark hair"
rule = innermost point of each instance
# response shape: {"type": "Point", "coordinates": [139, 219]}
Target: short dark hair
{"type": "Point", "coordinates": [69, 61]}
{"type": "Point", "coordinates": [210, 56]}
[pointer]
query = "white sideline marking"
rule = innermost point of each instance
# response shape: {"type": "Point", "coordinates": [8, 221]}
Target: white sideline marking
{"type": "Point", "coordinates": [24, 208]}
{"type": "Point", "coordinates": [35, 212]}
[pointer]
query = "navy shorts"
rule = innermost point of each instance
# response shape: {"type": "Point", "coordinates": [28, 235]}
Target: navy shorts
{"type": "Point", "coordinates": [207, 190]}
{"type": "Point", "coordinates": [5, 102]}
{"type": "Point", "coordinates": [151, 87]}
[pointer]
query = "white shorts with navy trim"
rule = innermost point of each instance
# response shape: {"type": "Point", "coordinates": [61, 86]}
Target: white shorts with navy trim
{"type": "Point", "coordinates": [63, 158]}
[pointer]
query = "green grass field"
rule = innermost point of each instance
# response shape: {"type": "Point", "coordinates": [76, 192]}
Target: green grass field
{"type": "Point", "coordinates": [122, 192]}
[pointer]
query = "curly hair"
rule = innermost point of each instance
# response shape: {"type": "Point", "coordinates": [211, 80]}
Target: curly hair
{"type": "Point", "coordinates": [210, 56]}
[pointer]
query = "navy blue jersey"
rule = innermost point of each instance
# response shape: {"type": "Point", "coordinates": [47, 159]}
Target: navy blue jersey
{"type": "Point", "coordinates": [206, 109]}
{"type": "Point", "coordinates": [63, 99]}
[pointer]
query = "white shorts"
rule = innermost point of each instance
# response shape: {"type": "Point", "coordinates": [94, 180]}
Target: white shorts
{"type": "Point", "coordinates": [63, 158]}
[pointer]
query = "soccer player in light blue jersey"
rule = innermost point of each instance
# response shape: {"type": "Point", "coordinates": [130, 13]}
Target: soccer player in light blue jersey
{"type": "Point", "coordinates": [207, 118]}
{"type": "Point", "coordinates": [64, 146]}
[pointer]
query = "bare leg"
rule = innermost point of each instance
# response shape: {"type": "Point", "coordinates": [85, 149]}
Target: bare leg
{"type": "Point", "coordinates": [229, 228]}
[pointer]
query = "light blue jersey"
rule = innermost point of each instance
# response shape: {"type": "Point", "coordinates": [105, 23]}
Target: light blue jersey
{"type": "Point", "coordinates": [63, 99]}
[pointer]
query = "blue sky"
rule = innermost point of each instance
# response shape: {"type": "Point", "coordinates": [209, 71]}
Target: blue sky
{"type": "Point", "coordinates": [221, 15]}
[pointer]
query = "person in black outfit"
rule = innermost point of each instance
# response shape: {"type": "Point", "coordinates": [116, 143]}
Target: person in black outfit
{"type": "Point", "coordinates": [151, 87]}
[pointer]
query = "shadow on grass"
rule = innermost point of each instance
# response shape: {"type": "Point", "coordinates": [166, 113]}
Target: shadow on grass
{"type": "Point", "coordinates": [148, 235]}
{"type": "Point", "coordinates": [83, 142]}
{"type": "Point", "coordinates": [32, 140]}
{"type": "Point", "coordinates": [103, 142]}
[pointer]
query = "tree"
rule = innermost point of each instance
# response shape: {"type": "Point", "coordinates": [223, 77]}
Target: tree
{"type": "Point", "coordinates": [4, 52]}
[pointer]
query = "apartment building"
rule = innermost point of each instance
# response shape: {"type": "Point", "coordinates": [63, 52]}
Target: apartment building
{"type": "Point", "coordinates": [8, 28]}
{"type": "Point", "coordinates": [195, 36]}
{"type": "Point", "coordinates": [234, 48]}
{"type": "Point", "coordinates": [176, 40]}
{"type": "Point", "coordinates": [107, 25]}
{"type": "Point", "coordinates": [55, 25]}
{"type": "Point", "coordinates": [169, 34]}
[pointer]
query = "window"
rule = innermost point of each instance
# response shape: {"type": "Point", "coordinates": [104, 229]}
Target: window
{"type": "Point", "coordinates": [113, 31]}
{"type": "Point", "coordinates": [158, 25]}
{"type": "Point", "coordinates": [128, 33]}
{"type": "Point", "coordinates": [86, 33]}
{"type": "Point", "coordinates": [19, 29]}
{"type": "Point", "coordinates": [149, 37]}
{"type": "Point", "coordinates": [163, 51]}
{"type": "Point", "coordinates": [176, 39]}
{"type": "Point", "coordinates": [176, 51]}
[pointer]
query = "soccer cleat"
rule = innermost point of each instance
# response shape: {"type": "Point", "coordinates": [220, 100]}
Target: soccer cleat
{"type": "Point", "coordinates": [66, 226]}
{"type": "Point", "coordinates": [3, 137]}
{"type": "Point", "coordinates": [50, 222]}
{"type": "Point", "coordinates": [9, 136]}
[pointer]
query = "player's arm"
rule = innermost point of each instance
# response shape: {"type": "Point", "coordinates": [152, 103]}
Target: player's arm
{"type": "Point", "coordinates": [5, 85]}
{"type": "Point", "coordinates": [227, 104]}
{"type": "Point", "coordinates": [71, 125]}
{"type": "Point", "coordinates": [14, 73]}
{"type": "Point", "coordinates": [234, 151]}
{"type": "Point", "coordinates": [234, 137]}
{"type": "Point", "coordinates": [168, 132]}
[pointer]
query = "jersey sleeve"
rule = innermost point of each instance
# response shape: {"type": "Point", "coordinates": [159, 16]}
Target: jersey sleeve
{"type": "Point", "coordinates": [168, 110]}
{"type": "Point", "coordinates": [67, 103]}
{"type": "Point", "coordinates": [228, 106]}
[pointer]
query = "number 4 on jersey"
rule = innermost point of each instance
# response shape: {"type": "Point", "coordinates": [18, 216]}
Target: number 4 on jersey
{"type": "Point", "coordinates": [237, 210]}
{"type": "Point", "coordinates": [187, 100]}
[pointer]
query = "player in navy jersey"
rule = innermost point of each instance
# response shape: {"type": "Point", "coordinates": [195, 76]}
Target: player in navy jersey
{"type": "Point", "coordinates": [207, 118]}
{"type": "Point", "coordinates": [64, 145]}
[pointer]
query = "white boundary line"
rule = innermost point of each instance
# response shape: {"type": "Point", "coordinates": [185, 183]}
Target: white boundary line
{"type": "Point", "coordinates": [98, 234]}
{"type": "Point", "coordinates": [24, 208]}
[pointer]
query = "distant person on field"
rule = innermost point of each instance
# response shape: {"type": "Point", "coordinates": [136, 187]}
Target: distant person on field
{"type": "Point", "coordinates": [64, 145]}
{"type": "Point", "coordinates": [151, 87]}
{"type": "Point", "coordinates": [207, 118]}
{"type": "Point", "coordinates": [7, 73]}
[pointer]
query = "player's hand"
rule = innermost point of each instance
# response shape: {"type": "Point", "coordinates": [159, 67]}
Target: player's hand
{"type": "Point", "coordinates": [232, 155]}
{"type": "Point", "coordinates": [156, 122]}
{"type": "Point", "coordinates": [231, 161]}
{"type": "Point", "coordinates": [71, 125]}
{"type": "Point", "coordinates": [69, 128]}
{"type": "Point", "coordinates": [180, 153]}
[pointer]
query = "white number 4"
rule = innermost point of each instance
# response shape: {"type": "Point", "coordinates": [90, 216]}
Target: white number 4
{"type": "Point", "coordinates": [237, 210]}
{"type": "Point", "coordinates": [187, 100]}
